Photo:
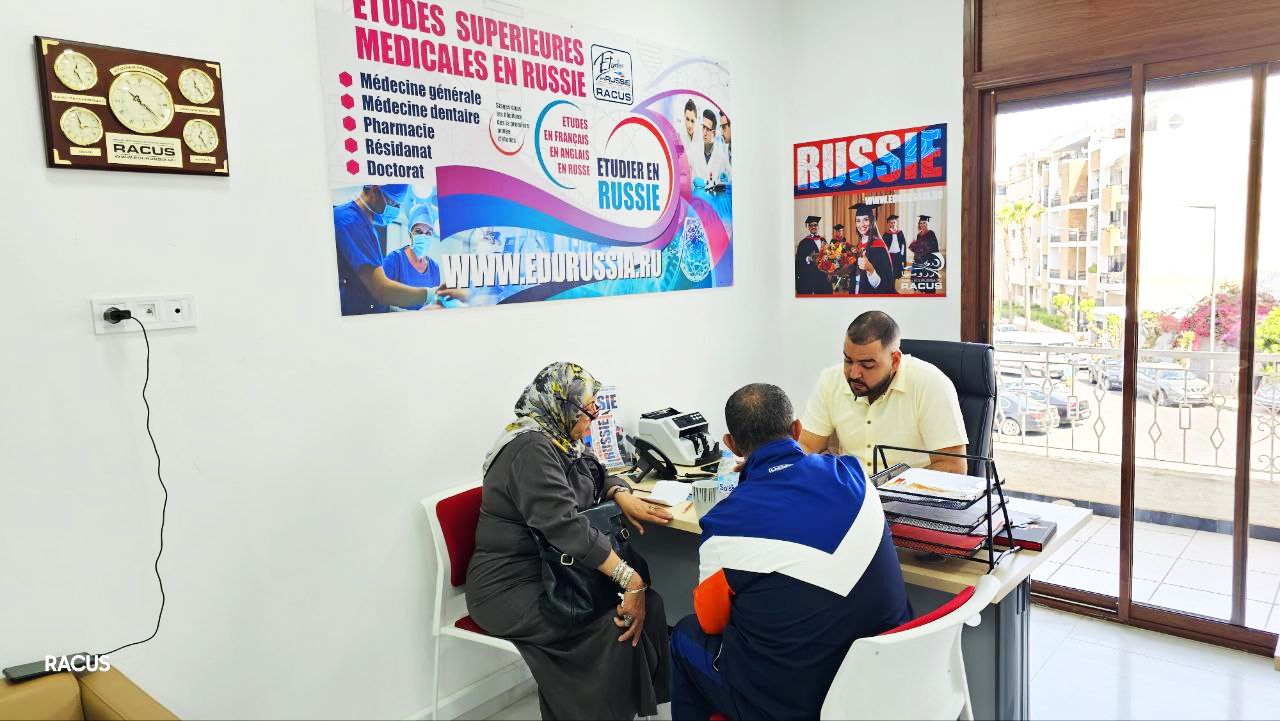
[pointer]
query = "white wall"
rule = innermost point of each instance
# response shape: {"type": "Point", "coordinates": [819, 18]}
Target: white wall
{"type": "Point", "coordinates": [874, 65]}
{"type": "Point", "coordinates": [297, 564]}
{"type": "Point", "coordinates": [297, 561]}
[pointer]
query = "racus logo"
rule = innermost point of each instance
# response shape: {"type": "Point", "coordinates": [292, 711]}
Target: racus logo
{"type": "Point", "coordinates": [611, 73]}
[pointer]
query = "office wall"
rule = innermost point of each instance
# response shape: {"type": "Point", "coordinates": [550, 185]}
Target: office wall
{"type": "Point", "coordinates": [296, 443]}
{"type": "Point", "coordinates": [857, 67]}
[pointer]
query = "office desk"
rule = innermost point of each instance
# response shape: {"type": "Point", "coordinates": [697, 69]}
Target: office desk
{"type": "Point", "coordinates": [995, 653]}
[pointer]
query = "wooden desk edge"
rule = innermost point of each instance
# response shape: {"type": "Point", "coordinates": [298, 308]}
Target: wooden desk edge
{"type": "Point", "coordinates": [955, 575]}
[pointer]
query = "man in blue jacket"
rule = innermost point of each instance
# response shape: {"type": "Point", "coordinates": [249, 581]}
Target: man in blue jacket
{"type": "Point", "coordinates": [794, 567]}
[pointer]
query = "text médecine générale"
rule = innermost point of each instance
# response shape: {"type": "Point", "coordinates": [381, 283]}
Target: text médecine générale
{"type": "Point", "coordinates": [395, 48]}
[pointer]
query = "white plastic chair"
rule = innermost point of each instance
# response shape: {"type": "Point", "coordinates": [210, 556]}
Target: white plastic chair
{"type": "Point", "coordinates": [913, 674]}
{"type": "Point", "coordinates": [454, 540]}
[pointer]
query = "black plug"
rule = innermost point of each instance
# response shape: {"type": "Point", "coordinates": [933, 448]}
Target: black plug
{"type": "Point", "coordinates": [114, 315]}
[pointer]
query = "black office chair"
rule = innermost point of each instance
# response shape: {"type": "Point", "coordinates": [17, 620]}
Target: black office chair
{"type": "Point", "coordinates": [971, 368]}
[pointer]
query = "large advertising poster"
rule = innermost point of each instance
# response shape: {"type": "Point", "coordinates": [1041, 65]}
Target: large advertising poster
{"type": "Point", "coordinates": [481, 154]}
{"type": "Point", "coordinates": [870, 214]}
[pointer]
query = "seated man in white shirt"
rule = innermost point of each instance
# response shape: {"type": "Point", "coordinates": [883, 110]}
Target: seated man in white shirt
{"type": "Point", "coordinates": [878, 396]}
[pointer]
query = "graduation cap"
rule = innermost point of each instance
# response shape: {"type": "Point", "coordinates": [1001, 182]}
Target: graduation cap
{"type": "Point", "coordinates": [812, 219]}
{"type": "Point", "coordinates": [839, 226]}
{"type": "Point", "coordinates": [926, 218]}
{"type": "Point", "coordinates": [862, 209]}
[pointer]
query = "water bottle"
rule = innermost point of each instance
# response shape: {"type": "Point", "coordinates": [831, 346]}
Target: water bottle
{"type": "Point", "coordinates": [726, 477]}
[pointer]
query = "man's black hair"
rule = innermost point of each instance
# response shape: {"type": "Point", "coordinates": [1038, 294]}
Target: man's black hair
{"type": "Point", "coordinates": [757, 414]}
{"type": "Point", "coordinates": [872, 326]}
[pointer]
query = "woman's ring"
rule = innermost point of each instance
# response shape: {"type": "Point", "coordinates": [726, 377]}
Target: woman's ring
{"type": "Point", "coordinates": [627, 620]}
{"type": "Point", "coordinates": [653, 508]}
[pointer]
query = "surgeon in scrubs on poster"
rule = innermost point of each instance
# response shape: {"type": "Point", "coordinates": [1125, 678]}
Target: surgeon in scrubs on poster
{"type": "Point", "coordinates": [359, 228]}
{"type": "Point", "coordinates": [411, 265]}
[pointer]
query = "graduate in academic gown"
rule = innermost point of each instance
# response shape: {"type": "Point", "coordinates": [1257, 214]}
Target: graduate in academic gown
{"type": "Point", "coordinates": [809, 279]}
{"type": "Point", "coordinates": [875, 267]}
{"type": "Point", "coordinates": [924, 257]}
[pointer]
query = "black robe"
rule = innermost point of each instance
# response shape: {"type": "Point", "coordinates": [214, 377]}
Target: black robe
{"type": "Point", "coordinates": [878, 253]}
{"type": "Point", "coordinates": [924, 260]}
{"type": "Point", "coordinates": [899, 258]}
{"type": "Point", "coordinates": [809, 279]}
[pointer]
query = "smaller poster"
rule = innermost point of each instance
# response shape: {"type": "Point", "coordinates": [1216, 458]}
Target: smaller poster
{"type": "Point", "coordinates": [870, 214]}
{"type": "Point", "coordinates": [605, 433]}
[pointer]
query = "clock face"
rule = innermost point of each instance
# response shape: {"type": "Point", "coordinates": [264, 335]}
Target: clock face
{"type": "Point", "coordinates": [141, 102]}
{"type": "Point", "coordinates": [75, 70]}
{"type": "Point", "coordinates": [200, 136]}
{"type": "Point", "coordinates": [81, 126]}
{"type": "Point", "coordinates": [196, 86]}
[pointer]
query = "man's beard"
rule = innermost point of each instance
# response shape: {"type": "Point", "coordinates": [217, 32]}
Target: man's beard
{"type": "Point", "coordinates": [873, 393]}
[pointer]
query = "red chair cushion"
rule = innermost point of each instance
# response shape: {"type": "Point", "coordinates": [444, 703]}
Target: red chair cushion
{"type": "Point", "coordinates": [466, 624]}
{"type": "Point", "coordinates": [458, 516]}
{"type": "Point", "coordinates": [717, 716]}
{"type": "Point", "coordinates": [935, 614]}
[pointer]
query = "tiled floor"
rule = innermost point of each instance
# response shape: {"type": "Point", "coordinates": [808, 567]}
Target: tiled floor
{"type": "Point", "coordinates": [1172, 567]}
{"type": "Point", "coordinates": [1088, 669]}
{"type": "Point", "coordinates": [1082, 668]}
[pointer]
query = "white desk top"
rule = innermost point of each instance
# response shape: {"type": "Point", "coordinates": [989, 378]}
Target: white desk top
{"type": "Point", "coordinates": [953, 575]}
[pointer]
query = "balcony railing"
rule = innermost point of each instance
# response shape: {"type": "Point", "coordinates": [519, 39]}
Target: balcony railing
{"type": "Point", "coordinates": [1186, 412]}
{"type": "Point", "coordinates": [1059, 274]}
{"type": "Point", "coordinates": [1113, 277]}
{"type": "Point", "coordinates": [1095, 193]}
{"type": "Point", "coordinates": [1079, 197]}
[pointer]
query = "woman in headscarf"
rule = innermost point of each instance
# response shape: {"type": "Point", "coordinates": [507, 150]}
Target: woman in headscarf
{"type": "Point", "coordinates": [537, 475]}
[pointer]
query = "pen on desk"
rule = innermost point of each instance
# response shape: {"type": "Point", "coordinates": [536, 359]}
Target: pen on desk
{"type": "Point", "coordinates": [685, 506]}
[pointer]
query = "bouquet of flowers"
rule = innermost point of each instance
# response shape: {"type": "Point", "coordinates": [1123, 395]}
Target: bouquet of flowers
{"type": "Point", "coordinates": [837, 256]}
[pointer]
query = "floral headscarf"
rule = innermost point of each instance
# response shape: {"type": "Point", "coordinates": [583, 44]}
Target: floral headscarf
{"type": "Point", "coordinates": [550, 405]}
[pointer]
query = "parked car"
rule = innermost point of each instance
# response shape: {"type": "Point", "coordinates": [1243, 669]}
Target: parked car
{"type": "Point", "coordinates": [1071, 408]}
{"type": "Point", "coordinates": [1019, 413]}
{"type": "Point", "coordinates": [1107, 372]}
{"type": "Point", "coordinates": [1033, 364]}
{"type": "Point", "coordinates": [1169, 383]}
{"type": "Point", "coordinates": [1266, 400]}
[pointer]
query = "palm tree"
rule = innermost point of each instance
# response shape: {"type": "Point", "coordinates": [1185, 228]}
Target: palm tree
{"type": "Point", "coordinates": [1004, 219]}
{"type": "Point", "coordinates": [1018, 215]}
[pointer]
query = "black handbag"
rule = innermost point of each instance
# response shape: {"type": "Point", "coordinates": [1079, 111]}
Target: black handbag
{"type": "Point", "coordinates": [573, 594]}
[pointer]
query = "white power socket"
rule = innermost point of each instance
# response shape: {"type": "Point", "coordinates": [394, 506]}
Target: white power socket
{"type": "Point", "coordinates": [156, 312]}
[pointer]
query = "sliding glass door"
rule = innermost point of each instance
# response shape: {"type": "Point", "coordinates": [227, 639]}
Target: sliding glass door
{"type": "Point", "coordinates": [1131, 293]}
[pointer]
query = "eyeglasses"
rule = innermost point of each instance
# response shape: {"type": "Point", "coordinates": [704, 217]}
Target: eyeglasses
{"type": "Point", "coordinates": [706, 129]}
{"type": "Point", "coordinates": [724, 126]}
{"type": "Point", "coordinates": [591, 415]}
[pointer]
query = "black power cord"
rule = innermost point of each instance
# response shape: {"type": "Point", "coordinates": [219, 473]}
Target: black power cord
{"type": "Point", "coordinates": [115, 315]}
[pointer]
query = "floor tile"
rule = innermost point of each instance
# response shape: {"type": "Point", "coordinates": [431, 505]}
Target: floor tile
{"type": "Point", "coordinates": [1147, 541]}
{"type": "Point", "coordinates": [1044, 571]}
{"type": "Point", "coordinates": [1237, 664]}
{"type": "Point", "coordinates": [1204, 603]}
{"type": "Point", "coordinates": [1045, 613]}
{"type": "Point", "coordinates": [1082, 680]}
{"type": "Point", "coordinates": [1147, 566]}
{"type": "Point", "coordinates": [1062, 554]}
{"type": "Point", "coordinates": [1264, 556]}
{"type": "Point", "coordinates": [1209, 548]}
{"type": "Point", "coordinates": [1217, 579]}
{"type": "Point", "coordinates": [1087, 579]}
{"type": "Point", "coordinates": [1048, 629]}
{"type": "Point", "coordinates": [1274, 624]}
{"type": "Point", "coordinates": [1090, 528]}
{"type": "Point", "coordinates": [525, 708]}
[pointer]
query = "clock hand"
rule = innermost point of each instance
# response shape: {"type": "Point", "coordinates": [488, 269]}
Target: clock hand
{"type": "Point", "coordinates": [76, 69]}
{"type": "Point", "coordinates": [138, 100]}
